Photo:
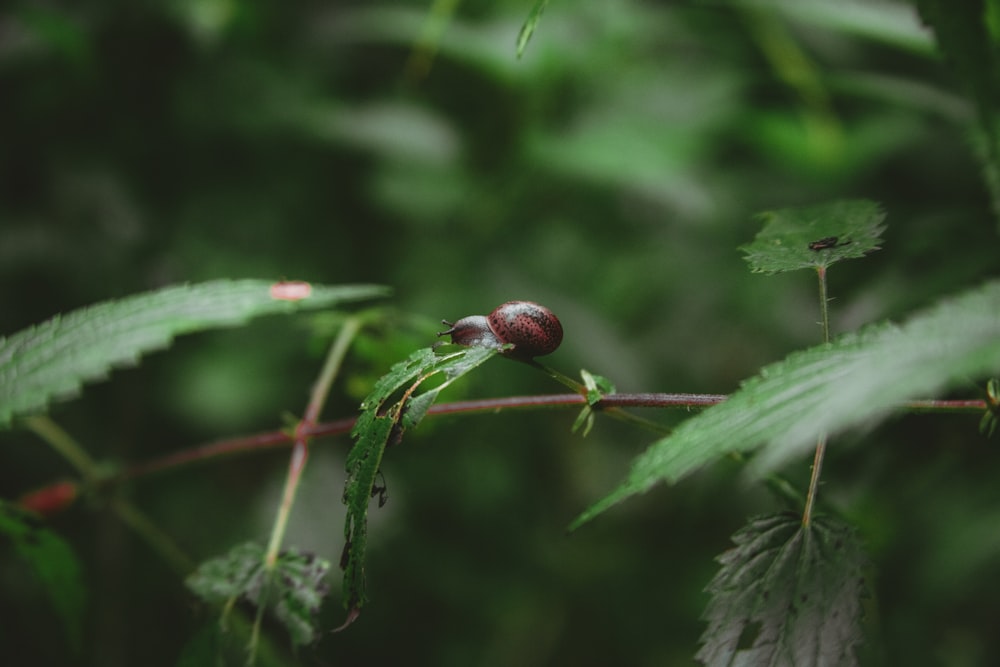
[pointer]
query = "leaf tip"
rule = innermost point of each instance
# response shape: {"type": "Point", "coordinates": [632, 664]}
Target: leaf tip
{"type": "Point", "coordinates": [597, 508]}
{"type": "Point", "coordinates": [352, 615]}
{"type": "Point", "coordinates": [528, 29]}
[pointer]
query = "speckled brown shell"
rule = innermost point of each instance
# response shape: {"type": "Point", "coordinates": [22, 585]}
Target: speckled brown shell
{"type": "Point", "coordinates": [531, 327]}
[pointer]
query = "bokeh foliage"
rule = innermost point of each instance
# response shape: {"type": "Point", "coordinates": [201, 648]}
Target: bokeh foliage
{"type": "Point", "coordinates": [611, 172]}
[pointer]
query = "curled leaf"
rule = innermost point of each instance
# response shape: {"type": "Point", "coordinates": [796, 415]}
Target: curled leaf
{"type": "Point", "coordinates": [381, 423]}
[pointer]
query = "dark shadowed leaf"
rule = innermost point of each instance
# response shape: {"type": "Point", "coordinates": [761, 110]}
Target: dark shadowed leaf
{"type": "Point", "coordinates": [293, 590]}
{"type": "Point", "coordinates": [786, 596]}
{"type": "Point", "coordinates": [53, 563]}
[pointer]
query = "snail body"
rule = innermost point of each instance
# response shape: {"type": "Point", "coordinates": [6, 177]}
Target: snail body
{"type": "Point", "coordinates": [531, 328]}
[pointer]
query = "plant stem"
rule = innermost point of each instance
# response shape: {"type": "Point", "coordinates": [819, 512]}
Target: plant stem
{"type": "Point", "coordinates": [300, 454]}
{"type": "Point", "coordinates": [614, 412]}
{"type": "Point", "coordinates": [817, 466]}
{"type": "Point", "coordinates": [334, 360]}
{"type": "Point", "coordinates": [280, 439]}
{"type": "Point", "coordinates": [209, 452]}
{"type": "Point", "coordinates": [63, 442]}
{"type": "Point", "coordinates": [158, 540]}
{"type": "Point", "coordinates": [92, 475]}
{"type": "Point", "coordinates": [297, 463]}
{"type": "Point", "coordinates": [824, 303]}
{"type": "Point", "coordinates": [559, 377]}
{"type": "Point", "coordinates": [300, 450]}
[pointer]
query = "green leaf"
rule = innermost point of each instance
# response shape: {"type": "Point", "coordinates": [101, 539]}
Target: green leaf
{"type": "Point", "coordinates": [988, 423]}
{"type": "Point", "coordinates": [376, 428]}
{"type": "Point", "coordinates": [528, 29]}
{"type": "Point", "coordinates": [826, 389]}
{"type": "Point", "coordinates": [299, 581]}
{"type": "Point", "coordinates": [231, 576]}
{"type": "Point", "coordinates": [54, 359]}
{"type": "Point", "coordinates": [293, 590]}
{"type": "Point", "coordinates": [815, 236]}
{"type": "Point", "coordinates": [53, 563]}
{"type": "Point", "coordinates": [597, 388]}
{"type": "Point", "coordinates": [787, 595]}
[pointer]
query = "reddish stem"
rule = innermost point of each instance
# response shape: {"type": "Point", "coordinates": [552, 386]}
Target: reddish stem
{"type": "Point", "coordinates": [277, 439]}
{"type": "Point", "coordinates": [280, 439]}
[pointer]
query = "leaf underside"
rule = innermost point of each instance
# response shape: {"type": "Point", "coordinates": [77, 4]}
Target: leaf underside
{"type": "Point", "coordinates": [815, 236]}
{"type": "Point", "coordinates": [54, 359]}
{"type": "Point", "coordinates": [829, 388]}
{"type": "Point", "coordinates": [293, 591]}
{"type": "Point", "coordinates": [787, 596]}
{"type": "Point", "coordinates": [380, 424]}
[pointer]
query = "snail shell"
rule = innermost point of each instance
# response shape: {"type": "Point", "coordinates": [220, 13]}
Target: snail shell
{"type": "Point", "coordinates": [531, 328]}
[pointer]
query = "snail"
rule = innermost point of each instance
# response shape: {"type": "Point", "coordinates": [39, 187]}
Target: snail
{"type": "Point", "coordinates": [532, 329]}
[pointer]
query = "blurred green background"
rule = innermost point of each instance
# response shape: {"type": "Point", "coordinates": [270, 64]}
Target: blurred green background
{"type": "Point", "coordinates": [611, 173]}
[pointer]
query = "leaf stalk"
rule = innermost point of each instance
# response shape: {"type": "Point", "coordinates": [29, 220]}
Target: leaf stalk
{"type": "Point", "coordinates": [817, 466]}
{"type": "Point", "coordinates": [300, 449]}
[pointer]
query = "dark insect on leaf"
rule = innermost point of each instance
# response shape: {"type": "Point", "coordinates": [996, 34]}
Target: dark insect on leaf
{"type": "Point", "coordinates": [790, 239]}
{"type": "Point", "coordinates": [382, 422]}
{"type": "Point", "coordinates": [345, 555]}
{"type": "Point", "coordinates": [824, 243]}
{"type": "Point", "coordinates": [381, 491]}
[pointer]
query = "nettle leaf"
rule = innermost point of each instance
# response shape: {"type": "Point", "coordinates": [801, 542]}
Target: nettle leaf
{"type": "Point", "coordinates": [54, 359]}
{"type": "Point", "coordinates": [528, 29]}
{"type": "Point", "coordinates": [298, 587]}
{"type": "Point", "coordinates": [293, 590]}
{"type": "Point", "coordinates": [826, 389]}
{"type": "Point", "coordinates": [815, 236]}
{"type": "Point", "coordinates": [53, 563]}
{"type": "Point", "coordinates": [787, 595]}
{"type": "Point", "coordinates": [380, 424]}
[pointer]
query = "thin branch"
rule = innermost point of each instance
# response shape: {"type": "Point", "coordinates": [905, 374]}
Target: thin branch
{"type": "Point", "coordinates": [280, 439]}
{"type": "Point", "coordinates": [66, 445]}
{"type": "Point", "coordinates": [817, 466]}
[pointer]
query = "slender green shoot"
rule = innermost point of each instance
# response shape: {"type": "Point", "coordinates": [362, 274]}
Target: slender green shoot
{"type": "Point", "coordinates": [817, 466]}
{"type": "Point", "coordinates": [300, 454]}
